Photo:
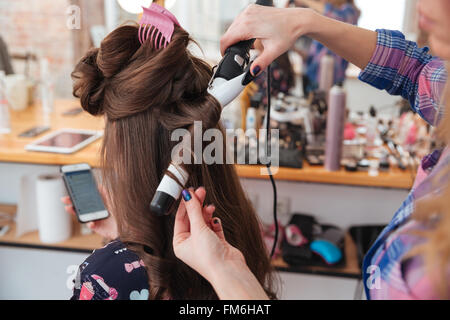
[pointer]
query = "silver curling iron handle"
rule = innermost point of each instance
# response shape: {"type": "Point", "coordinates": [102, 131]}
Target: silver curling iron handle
{"type": "Point", "coordinates": [226, 91]}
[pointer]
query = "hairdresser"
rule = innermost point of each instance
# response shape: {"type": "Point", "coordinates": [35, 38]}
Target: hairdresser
{"type": "Point", "coordinates": [403, 266]}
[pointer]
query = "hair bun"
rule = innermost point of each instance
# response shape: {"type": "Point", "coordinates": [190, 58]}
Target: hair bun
{"type": "Point", "coordinates": [124, 78]}
{"type": "Point", "coordinates": [89, 83]}
{"type": "Point", "coordinates": [117, 49]}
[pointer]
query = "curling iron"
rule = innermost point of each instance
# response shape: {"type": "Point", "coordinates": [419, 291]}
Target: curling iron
{"type": "Point", "coordinates": [230, 78]}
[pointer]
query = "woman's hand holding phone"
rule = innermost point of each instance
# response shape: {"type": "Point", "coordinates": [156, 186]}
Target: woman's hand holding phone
{"type": "Point", "coordinates": [106, 228]}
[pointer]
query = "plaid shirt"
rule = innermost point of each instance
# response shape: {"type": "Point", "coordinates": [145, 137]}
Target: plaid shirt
{"type": "Point", "coordinates": [401, 68]}
{"type": "Point", "coordinates": [346, 13]}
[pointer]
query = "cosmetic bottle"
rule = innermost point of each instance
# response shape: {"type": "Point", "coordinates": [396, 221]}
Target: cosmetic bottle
{"type": "Point", "coordinates": [5, 125]}
{"type": "Point", "coordinates": [47, 95]}
{"type": "Point", "coordinates": [252, 135]}
{"type": "Point", "coordinates": [335, 129]}
{"type": "Point", "coordinates": [251, 119]}
{"type": "Point", "coordinates": [326, 73]}
{"type": "Point", "coordinates": [372, 127]}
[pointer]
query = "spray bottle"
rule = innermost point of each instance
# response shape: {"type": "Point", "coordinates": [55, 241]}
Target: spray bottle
{"type": "Point", "coordinates": [335, 128]}
{"type": "Point", "coordinates": [326, 73]}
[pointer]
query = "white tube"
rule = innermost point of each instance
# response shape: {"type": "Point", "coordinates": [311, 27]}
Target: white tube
{"type": "Point", "coordinates": [55, 225]}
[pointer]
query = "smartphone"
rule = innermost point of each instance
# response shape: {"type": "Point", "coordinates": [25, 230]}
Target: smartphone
{"type": "Point", "coordinates": [33, 132]}
{"type": "Point", "coordinates": [4, 230]}
{"type": "Point", "coordinates": [83, 191]}
{"type": "Point", "coordinates": [73, 112]}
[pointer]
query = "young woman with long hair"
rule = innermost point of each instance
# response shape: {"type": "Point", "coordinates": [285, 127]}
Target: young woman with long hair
{"type": "Point", "coordinates": [144, 94]}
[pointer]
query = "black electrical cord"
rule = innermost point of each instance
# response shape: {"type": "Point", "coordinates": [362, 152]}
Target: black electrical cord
{"type": "Point", "coordinates": [268, 146]}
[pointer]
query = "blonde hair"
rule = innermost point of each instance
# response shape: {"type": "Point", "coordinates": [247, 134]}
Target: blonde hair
{"type": "Point", "coordinates": [434, 212]}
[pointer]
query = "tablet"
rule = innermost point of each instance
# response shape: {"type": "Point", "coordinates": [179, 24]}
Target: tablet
{"type": "Point", "coordinates": [64, 141]}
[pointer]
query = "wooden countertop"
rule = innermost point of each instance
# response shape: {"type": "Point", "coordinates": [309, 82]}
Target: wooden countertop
{"type": "Point", "coordinates": [394, 178]}
{"type": "Point", "coordinates": [87, 243]}
{"type": "Point", "coordinates": [77, 243]}
{"type": "Point", "coordinates": [12, 149]}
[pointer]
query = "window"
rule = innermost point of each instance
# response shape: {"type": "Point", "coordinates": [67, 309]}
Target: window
{"type": "Point", "coordinates": [207, 20]}
{"type": "Point", "coordinates": [382, 14]}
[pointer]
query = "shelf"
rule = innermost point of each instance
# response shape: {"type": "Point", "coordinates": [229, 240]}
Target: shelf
{"type": "Point", "coordinates": [77, 243]}
{"type": "Point", "coordinates": [350, 270]}
{"type": "Point", "coordinates": [395, 178]}
{"type": "Point", "coordinates": [12, 149]}
{"type": "Point", "coordinates": [87, 243]}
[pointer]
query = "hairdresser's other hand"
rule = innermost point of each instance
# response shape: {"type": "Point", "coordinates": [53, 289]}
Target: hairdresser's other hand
{"type": "Point", "coordinates": [277, 28]}
{"type": "Point", "coordinates": [198, 237]}
{"type": "Point", "coordinates": [106, 228]}
{"type": "Point", "coordinates": [199, 241]}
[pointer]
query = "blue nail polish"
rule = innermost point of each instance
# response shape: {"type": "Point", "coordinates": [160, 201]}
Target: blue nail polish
{"type": "Point", "coordinates": [256, 70]}
{"type": "Point", "coordinates": [186, 195]}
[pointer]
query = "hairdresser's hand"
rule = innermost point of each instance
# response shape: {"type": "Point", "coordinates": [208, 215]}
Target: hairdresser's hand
{"type": "Point", "coordinates": [277, 28]}
{"type": "Point", "coordinates": [199, 241]}
{"type": "Point", "coordinates": [198, 237]}
{"type": "Point", "coordinates": [106, 228]}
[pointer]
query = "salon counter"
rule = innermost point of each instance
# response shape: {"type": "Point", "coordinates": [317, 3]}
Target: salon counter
{"type": "Point", "coordinates": [77, 243]}
{"type": "Point", "coordinates": [87, 243]}
{"type": "Point", "coordinates": [12, 149]}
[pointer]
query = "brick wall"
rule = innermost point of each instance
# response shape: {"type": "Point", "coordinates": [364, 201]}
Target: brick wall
{"type": "Point", "coordinates": [40, 26]}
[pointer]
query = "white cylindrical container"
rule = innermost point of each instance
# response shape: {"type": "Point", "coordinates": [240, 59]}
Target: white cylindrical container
{"type": "Point", "coordinates": [55, 225]}
{"type": "Point", "coordinates": [326, 73]}
{"type": "Point", "coordinates": [46, 87]}
{"type": "Point", "coordinates": [335, 129]}
{"type": "Point", "coordinates": [17, 88]}
{"type": "Point", "coordinates": [5, 125]}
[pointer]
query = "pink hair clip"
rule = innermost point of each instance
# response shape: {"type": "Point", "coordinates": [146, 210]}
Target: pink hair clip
{"type": "Point", "coordinates": [160, 22]}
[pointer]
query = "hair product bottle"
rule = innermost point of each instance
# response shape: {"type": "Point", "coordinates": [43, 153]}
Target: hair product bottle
{"type": "Point", "coordinates": [5, 126]}
{"type": "Point", "coordinates": [335, 128]}
{"type": "Point", "coordinates": [326, 73]}
{"type": "Point", "coordinates": [46, 87]}
{"type": "Point", "coordinates": [251, 128]}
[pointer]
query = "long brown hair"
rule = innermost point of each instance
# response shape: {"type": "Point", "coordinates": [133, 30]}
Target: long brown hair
{"type": "Point", "coordinates": [145, 94]}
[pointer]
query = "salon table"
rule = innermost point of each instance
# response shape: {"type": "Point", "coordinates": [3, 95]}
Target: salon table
{"type": "Point", "coordinates": [12, 149]}
{"type": "Point", "coordinates": [369, 199]}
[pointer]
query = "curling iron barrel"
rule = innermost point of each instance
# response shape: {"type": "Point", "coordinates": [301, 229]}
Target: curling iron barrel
{"type": "Point", "coordinates": [169, 190]}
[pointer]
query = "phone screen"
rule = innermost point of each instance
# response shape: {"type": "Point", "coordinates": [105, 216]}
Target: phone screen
{"type": "Point", "coordinates": [84, 193]}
